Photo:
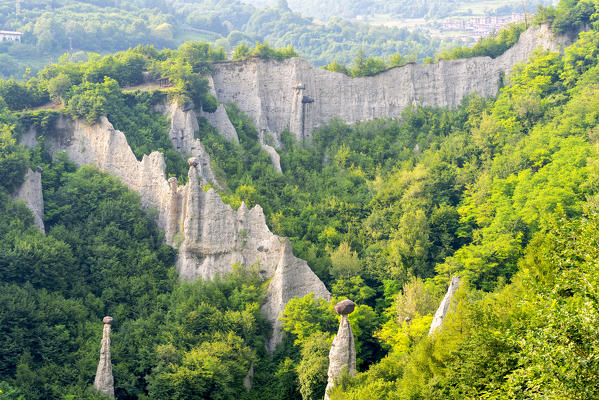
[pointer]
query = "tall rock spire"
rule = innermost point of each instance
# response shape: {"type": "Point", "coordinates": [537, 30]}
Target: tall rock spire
{"type": "Point", "coordinates": [444, 306]}
{"type": "Point", "coordinates": [343, 351]}
{"type": "Point", "coordinates": [104, 381]}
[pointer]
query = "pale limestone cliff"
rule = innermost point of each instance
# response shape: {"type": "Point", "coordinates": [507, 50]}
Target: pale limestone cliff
{"type": "Point", "coordinates": [209, 234]}
{"type": "Point", "coordinates": [104, 381]}
{"type": "Point", "coordinates": [216, 237]}
{"type": "Point", "coordinates": [342, 356]}
{"type": "Point", "coordinates": [106, 148]}
{"type": "Point", "coordinates": [31, 193]}
{"type": "Point", "coordinates": [292, 277]}
{"type": "Point", "coordinates": [275, 158]}
{"type": "Point", "coordinates": [293, 94]}
{"type": "Point", "coordinates": [219, 119]}
{"type": "Point", "coordinates": [454, 285]}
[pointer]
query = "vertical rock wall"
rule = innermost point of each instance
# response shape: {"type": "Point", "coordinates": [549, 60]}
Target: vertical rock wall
{"type": "Point", "coordinates": [293, 94]}
{"type": "Point", "coordinates": [184, 125]}
{"type": "Point", "coordinates": [31, 193]}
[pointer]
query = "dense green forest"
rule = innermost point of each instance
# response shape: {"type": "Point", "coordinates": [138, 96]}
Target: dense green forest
{"type": "Point", "coordinates": [502, 192]}
{"type": "Point", "coordinates": [77, 27]}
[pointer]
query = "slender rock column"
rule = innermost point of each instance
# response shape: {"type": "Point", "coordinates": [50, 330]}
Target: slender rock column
{"type": "Point", "coordinates": [444, 306]}
{"type": "Point", "coordinates": [343, 350]}
{"type": "Point", "coordinates": [104, 381]}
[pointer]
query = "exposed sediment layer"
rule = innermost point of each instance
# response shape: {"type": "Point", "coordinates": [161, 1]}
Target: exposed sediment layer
{"type": "Point", "coordinates": [31, 193]}
{"type": "Point", "coordinates": [296, 95]}
{"type": "Point", "coordinates": [210, 235]}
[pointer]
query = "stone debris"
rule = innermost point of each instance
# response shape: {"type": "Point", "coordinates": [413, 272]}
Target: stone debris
{"type": "Point", "coordinates": [104, 381]}
{"type": "Point", "coordinates": [343, 351]}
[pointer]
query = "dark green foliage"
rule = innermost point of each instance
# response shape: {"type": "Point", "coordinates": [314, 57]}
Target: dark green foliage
{"type": "Point", "coordinates": [18, 95]}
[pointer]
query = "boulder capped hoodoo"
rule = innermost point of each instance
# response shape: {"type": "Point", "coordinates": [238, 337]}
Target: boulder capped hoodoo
{"type": "Point", "coordinates": [104, 381]}
{"type": "Point", "coordinates": [343, 351]}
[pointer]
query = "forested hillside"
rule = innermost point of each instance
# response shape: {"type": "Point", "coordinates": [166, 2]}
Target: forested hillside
{"type": "Point", "coordinates": [502, 192]}
{"type": "Point", "coordinates": [54, 27]}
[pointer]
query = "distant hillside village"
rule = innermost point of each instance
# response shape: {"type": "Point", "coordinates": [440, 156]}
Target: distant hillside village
{"type": "Point", "coordinates": [10, 36]}
{"type": "Point", "coordinates": [477, 27]}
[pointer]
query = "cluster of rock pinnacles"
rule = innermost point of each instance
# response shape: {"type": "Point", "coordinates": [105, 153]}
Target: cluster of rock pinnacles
{"type": "Point", "coordinates": [342, 356]}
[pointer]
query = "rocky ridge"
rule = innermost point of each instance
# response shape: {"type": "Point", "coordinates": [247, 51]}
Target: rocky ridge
{"type": "Point", "coordinates": [30, 192]}
{"type": "Point", "coordinates": [296, 95]}
{"type": "Point", "coordinates": [209, 234]}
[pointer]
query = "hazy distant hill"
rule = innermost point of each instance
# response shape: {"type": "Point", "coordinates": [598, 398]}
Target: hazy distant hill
{"type": "Point", "coordinates": [325, 9]}
{"type": "Point", "coordinates": [53, 27]}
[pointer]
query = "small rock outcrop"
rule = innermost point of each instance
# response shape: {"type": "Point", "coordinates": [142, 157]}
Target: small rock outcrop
{"type": "Point", "coordinates": [444, 306]}
{"type": "Point", "coordinates": [104, 381]}
{"type": "Point", "coordinates": [343, 351]}
{"type": "Point", "coordinates": [31, 193]}
{"type": "Point", "coordinates": [275, 158]}
{"type": "Point", "coordinates": [219, 118]}
{"type": "Point", "coordinates": [292, 277]}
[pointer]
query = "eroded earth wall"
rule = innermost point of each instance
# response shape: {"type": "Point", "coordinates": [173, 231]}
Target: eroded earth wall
{"type": "Point", "coordinates": [209, 234]}
{"type": "Point", "coordinates": [296, 95]}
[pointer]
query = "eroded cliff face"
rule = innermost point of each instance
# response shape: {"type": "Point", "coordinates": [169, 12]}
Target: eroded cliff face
{"type": "Point", "coordinates": [31, 193]}
{"type": "Point", "coordinates": [209, 234]}
{"type": "Point", "coordinates": [443, 309]}
{"type": "Point", "coordinates": [293, 94]}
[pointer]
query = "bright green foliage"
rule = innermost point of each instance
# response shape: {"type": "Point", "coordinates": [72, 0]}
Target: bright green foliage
{"type": "Point", "coordinates": [363, 66]}
{"type": "Point", "coordinates": [572, 15]}
{"type": "Point", "coordinates": [17, 95]}
{"type": "Point", "coordinates": [263, 50]}
{"type": "Point", "coordinates": [13, 159]}
{"type": "Point", "coordinates": [307, 315]}
{"type": "Point", "coordinates": [213, 370]}
{"type": "Point", "coordinates": [312, 369]}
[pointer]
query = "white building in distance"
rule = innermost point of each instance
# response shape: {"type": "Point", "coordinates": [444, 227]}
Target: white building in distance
{"type": "Point", "coordinates": [10, 36]}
